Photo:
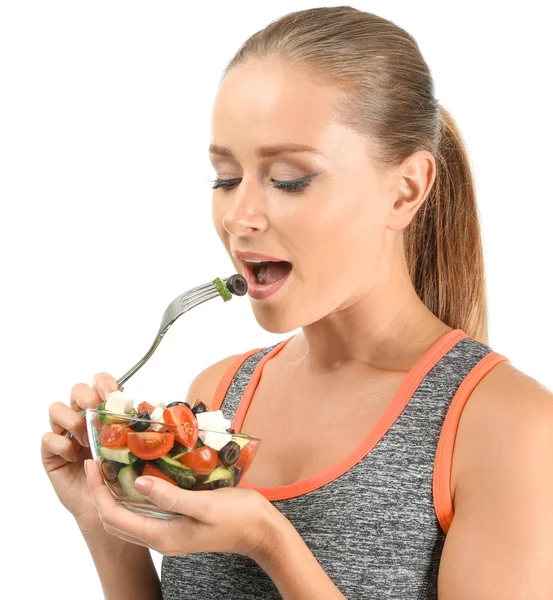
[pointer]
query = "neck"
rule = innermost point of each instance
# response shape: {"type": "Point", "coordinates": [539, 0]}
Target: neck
{"type": "Point", "coordinates": [387, 328]}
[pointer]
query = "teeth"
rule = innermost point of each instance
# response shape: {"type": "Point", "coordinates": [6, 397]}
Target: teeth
{"type": "Point", "coordinates": [260, 274]}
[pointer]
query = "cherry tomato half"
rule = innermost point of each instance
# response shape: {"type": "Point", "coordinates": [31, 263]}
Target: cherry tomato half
{"type": "Point", "coordinates": [202, 460]}
{"type": "Point", "coordinates": [183, 423]}
{"type": "Point", "coordinates": [145, 406]}
{"type": "Point", "coordinates": [246, 457]}
{"type": "Point", "coordinates": [151, 470]}
{"type": "Point", "coordinates": [114, 435]}
{"type": "Point", "coordinates": [150, 444]}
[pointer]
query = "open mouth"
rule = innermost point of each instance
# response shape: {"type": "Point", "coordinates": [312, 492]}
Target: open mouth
{"type": "Point", "coordinates": [265, 273]}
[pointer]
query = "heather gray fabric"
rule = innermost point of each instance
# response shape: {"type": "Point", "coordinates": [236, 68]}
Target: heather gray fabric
{"type": "Point", "coordinates": [373, 529]}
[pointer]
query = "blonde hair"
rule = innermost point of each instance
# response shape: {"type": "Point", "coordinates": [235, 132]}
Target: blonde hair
{"type": "Point", "coordinates": [389, 98]}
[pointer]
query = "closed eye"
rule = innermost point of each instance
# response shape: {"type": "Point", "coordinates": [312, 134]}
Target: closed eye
{"type": "Point", "coordinates": [287, 185]}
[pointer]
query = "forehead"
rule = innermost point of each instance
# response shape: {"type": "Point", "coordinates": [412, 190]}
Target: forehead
{"type": "Point", "coordinates": [270, 102]}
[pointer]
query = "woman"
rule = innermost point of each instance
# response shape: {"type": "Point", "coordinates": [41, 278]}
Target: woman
{"type": "Point", "coordinates": [377, 477]}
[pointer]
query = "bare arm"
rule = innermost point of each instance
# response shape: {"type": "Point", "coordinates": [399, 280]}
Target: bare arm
{"type": "Point", "coordinates": [500, 543]}
{"type": "Point", "coordinates": [126, 570]}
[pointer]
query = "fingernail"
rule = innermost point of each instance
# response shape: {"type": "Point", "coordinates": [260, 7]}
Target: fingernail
{"type": "Point", "coordinates": [84, 465]}
{"type": "Point", "coordinates": [143, 485]}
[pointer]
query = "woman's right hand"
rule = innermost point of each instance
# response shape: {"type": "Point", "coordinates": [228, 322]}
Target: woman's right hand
{"type": "Point", "coordinates": [63, 456]}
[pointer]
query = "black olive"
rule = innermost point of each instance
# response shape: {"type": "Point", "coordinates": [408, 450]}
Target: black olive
{"type": "Point", "coordinates": [230, 430]}
{"type": "Point", "coordinates": [237, 284]}
{"type": "Point", "coordinates": [199, 408]}
{"type": "Point", "coordinates": [177, 402]}
{"type": "Point", "coordinates": [200, 486]}
{"type": "Point", "coordinates": [220, 483]}
{"type": "Point", "coordinates": [139, 425]}
{"type": "Point", "coordinates": [178, 448]}
{"type": "Point", "coordinates": [229, 453]}
{"type": "Point", "coordinates": [110, 473]}
{"type": "Point", "coordinates": [138, 465]}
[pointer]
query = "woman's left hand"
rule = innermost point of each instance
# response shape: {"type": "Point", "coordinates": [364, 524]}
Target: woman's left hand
{"type": "Point", "coordinates": [237, 520]}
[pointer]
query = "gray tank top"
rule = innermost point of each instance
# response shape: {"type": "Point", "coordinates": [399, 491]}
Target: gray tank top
{"type": "Point", "coordinates": [377, 522]}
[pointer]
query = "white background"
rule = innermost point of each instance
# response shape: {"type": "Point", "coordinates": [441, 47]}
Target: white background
{"type": "Point", "coordinates": [106, 212]}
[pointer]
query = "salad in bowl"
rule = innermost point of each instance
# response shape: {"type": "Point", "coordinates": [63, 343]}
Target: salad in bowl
{"type": "Point", "coordinates": [189, 446]}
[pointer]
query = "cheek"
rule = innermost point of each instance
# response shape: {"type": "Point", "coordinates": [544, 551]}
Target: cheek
{"type": "Point", "coordinates": [341, 248]}
{"type": "Point", "coordinates": [350, 230]}
{"type": "Point", "coordinates": [217, 220]}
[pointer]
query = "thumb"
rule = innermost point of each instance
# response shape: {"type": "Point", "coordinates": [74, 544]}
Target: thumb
{"type": "Point", "coordinates": [170, 497]}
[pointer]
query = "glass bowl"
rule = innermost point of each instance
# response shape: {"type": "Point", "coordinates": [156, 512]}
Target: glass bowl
{"type": "Point", "coordinates": [120, 467]}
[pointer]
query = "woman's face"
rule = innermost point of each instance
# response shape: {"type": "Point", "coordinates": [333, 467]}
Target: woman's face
{"type": "Point", "coordinates": [333, 231]}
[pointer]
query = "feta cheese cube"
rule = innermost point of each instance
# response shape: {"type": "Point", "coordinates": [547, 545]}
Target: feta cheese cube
{"type": "Point", "coordinates": [157, 415]}
{"type": "Point", "coordinates": [215, 440]}
{"type": "Point", "coordinates": [119, 403]}
{"type": "Point", "coordinates": [213, 420]}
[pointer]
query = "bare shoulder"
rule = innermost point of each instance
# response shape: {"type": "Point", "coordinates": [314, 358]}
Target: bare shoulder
{"type": "Point", "coordinates": [501, 406]}
{"type": "Point", "coordinates": [503, 411]}
{"type": "Point", "coordinates": [502, 529]}
{"type": "Point", "coordinates": [205, 383]}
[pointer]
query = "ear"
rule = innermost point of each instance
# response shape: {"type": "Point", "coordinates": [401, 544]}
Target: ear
{"type": "Point", "coordinates": [414, 177]}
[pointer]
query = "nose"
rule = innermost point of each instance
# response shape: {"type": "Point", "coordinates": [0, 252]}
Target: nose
{"type": "Point", "coordinates": [246, 209]}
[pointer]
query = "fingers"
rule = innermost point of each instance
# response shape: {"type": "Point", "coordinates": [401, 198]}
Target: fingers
{"type": "Point", "coordinates": [63, 418]}
{"type": "Point", "coordinates": [83, 396]}
{"type": "Point", "coordinates": [103, 384]}
{"type": "Point", "coordinates": [196, 504]}
{"type": "Point", "coordinates": [111, 514]}
{"type": "Point", "coordinates": [67, 418]}
{"type": "Point", "coordinates": [59, 445]}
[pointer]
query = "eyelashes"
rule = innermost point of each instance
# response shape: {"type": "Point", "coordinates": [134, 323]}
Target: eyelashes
{"type": "Point", "coordinates": [293, 185]}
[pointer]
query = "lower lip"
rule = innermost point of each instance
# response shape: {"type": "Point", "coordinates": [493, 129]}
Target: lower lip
{"type": "Point", "coordinates": [260, 292]}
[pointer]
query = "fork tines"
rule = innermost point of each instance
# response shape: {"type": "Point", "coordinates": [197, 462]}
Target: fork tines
{"type": "Point", "coordinates": [198, 295]}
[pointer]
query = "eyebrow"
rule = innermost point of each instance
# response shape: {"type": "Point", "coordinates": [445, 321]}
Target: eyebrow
{"type": "Point", "coordinates": [267, 151]}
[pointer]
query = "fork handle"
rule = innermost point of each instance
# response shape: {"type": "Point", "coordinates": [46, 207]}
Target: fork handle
{"type": "Point", "coordinates": [236, 284]}
{"type": "Point", "coordinates": [142, 361]}
{"type": "Point", "coordinates": [130, 372]}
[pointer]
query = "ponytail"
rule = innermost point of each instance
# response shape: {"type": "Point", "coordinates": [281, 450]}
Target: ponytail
{"type": "Point", "coordinates": [443, 245]}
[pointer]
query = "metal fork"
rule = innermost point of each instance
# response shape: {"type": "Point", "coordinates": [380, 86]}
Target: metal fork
{"type": "Point", "coordinates": [236, 284]}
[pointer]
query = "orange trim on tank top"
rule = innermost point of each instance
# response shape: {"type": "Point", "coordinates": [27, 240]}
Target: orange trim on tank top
{"type": "Point", "coordinates": [404, 393]}
{"type": "Point", "coordinates": [444, 453]}
{"type": "Point", "coordinates": [226, 380]}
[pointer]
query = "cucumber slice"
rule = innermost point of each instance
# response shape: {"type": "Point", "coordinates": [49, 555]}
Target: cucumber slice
{"type": "Point", "coordinates": [219, 473]}
{"type": "Point", "coordinates": [177, 450]}
{"type": "Point", "coordinates": [110, 419]}
{"type": "Point", "coordinates": [241, 441]}
{"type": "Point", "coordinates": [120, 455]}
{"type": "Point", "coordinates": [177, 456]}
{"type": "Point", "coordinates": [127, 476]}
{"type": "Point", "coordinates": [222, 289]}
{"type": "Point", "coordinates": [180, 474]}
